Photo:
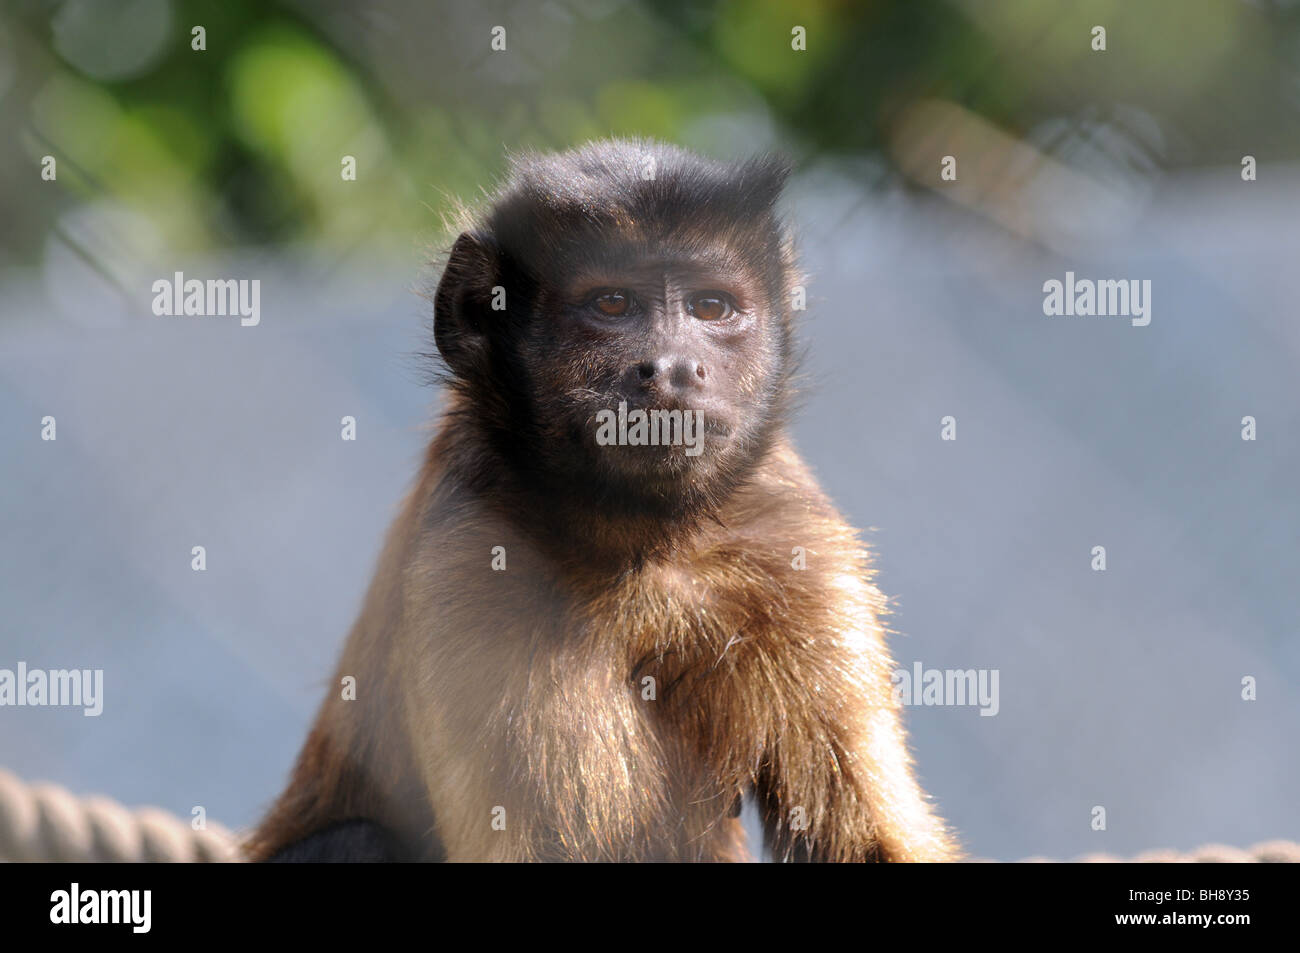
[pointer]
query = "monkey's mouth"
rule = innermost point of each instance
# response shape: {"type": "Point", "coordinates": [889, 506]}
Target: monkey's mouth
{"type": "Point", "coordinates": [658, 432]}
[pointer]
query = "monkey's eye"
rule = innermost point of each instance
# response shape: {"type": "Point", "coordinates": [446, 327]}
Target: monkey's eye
{"type": "Point", "coordinates": [710, 306]}
{"type": "Point", "coordinates": [612, 304]}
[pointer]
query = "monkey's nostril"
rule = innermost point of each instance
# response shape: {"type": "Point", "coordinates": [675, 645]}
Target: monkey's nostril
{"type": "Point", "coordinates": [670, 373]}
{"type": "Point", "coordinates": [686, 373]}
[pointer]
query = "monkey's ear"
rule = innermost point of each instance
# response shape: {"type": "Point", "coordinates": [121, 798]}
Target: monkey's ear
{"type": "Point", "coordinates": [462, 302]}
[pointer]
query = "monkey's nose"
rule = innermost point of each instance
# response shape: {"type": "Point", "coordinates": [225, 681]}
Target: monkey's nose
{"type": "Point", "coordinates": [676, 373]}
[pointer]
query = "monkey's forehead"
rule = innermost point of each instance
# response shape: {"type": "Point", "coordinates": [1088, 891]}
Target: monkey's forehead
{"type": "Point", "coordinates": [652, 255]}
{"type": "Point", "coordinates": [635, 257]}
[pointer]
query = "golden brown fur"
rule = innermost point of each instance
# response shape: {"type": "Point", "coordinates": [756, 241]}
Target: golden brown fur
{"type": "Point", "coordinates": [769, 677]}
{"type": "Point", "coordinates": [523, 689]}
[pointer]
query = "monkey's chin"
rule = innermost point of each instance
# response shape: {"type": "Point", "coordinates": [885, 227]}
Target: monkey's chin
{"type": "Point", "coordinates": [651, 462]}
{"type": "Point", "coordinates": [662, 474]}
{"type": "Point", "coordinates": [659, 454]}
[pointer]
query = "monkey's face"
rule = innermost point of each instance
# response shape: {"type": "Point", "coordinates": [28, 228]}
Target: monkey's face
{"type": "Point", "coordinates": [626, 335]}
{"type": "Point", "coordinates": [658, 370]}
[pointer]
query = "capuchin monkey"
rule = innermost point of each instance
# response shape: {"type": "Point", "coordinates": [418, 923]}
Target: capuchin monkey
{"type": "Point", "coordinates": [616, 601]}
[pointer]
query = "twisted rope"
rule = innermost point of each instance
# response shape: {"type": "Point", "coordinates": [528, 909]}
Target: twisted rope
{"type": "Point", "coordinates": [47, 823]}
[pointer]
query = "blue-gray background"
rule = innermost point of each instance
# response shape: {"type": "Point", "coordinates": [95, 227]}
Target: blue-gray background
{"type": "Point", "coordinates": [1119, 688]}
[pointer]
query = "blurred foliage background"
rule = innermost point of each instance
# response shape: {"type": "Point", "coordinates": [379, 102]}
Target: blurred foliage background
{"type": "Point", "coordinates": [161, 146]}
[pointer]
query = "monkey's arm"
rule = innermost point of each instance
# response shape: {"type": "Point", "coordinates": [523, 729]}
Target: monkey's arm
{"type": "Point", "coordinates": [849, 795]}
{"type": "Point", "coordinates": [837, 783]}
